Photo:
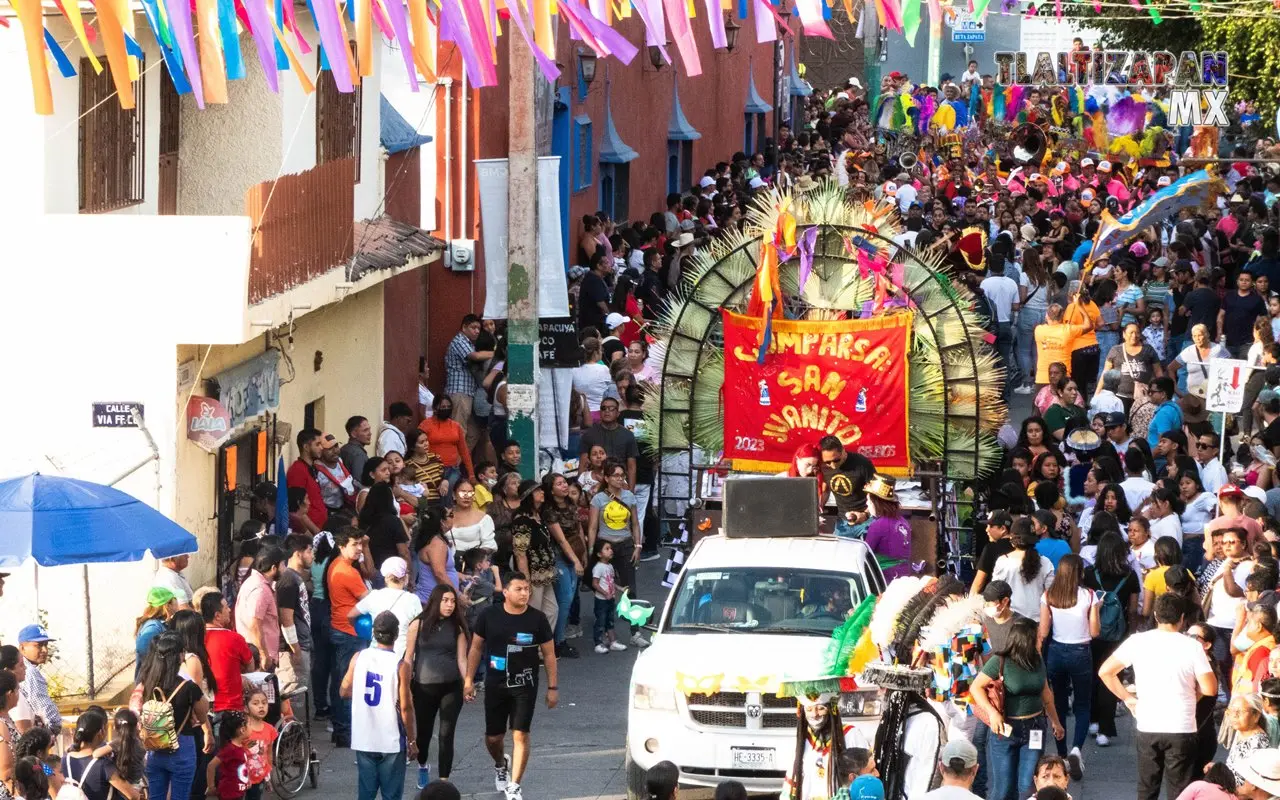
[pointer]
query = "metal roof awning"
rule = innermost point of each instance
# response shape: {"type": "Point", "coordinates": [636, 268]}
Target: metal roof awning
{"type": "Point", "coordinates": [755, 103]}
{"type": "Point", "coordinates": [797, 86]}
{"type": "Point", "coordinates": [612, 149]}
{"type": "Point", "coordinates": [679, 130]}
{"type": "Point", "coordinates": [396, 133]}
{"type": "Point", "coordinates": [386, 243]}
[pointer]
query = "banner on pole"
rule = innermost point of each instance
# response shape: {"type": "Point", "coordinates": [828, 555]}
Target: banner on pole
{"type": "Point", "coordinates": [553, 287]}
{"type": "Point", "coordinates": [847, 379]}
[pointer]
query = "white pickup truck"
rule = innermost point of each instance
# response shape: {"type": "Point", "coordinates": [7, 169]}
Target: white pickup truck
{"type": "Point", "coordinates": [752, 607]}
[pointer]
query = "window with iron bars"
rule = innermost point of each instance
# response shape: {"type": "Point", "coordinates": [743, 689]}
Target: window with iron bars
{"type": "Point", "coordinates": [338, 117]}
{"type": "Point", "coordinates": [112, 143]}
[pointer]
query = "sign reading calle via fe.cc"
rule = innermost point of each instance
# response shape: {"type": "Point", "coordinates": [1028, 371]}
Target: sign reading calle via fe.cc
{"type": "Point", "coordinates": [115, 415]}
{"type": "Point", "coordinates": [1225, 392]}
{"type": "Point", "coordinates": [846, 379]}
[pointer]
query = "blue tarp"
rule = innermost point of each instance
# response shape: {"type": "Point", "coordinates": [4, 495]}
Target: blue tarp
{"type": "Point", "coordinates": [396, 134]}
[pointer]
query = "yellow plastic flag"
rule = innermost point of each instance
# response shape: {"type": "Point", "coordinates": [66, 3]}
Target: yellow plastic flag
{"type": "Point", "coordinates": [30, 16]}
{"type": "Point", "coordinates": [543, 36]}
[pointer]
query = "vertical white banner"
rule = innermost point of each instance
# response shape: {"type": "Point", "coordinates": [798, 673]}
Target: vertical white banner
{"type": "Point", "coordinates": [553, 289]}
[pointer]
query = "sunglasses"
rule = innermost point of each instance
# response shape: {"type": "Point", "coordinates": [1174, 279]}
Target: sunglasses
{"type": "Point", "coordinates": [1206, 445]}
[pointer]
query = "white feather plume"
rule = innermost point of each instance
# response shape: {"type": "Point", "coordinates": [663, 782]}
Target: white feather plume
{"type": "Point", "coordinates": [949, 620]}
{"type": "Point", "coordinates": [896, 595]}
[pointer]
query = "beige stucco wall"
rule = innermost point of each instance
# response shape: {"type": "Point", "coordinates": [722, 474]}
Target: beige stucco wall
{"type": "Point", "coordinates": [350, 335]}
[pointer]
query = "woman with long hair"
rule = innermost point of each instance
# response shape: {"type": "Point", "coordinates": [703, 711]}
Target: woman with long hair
{"type": "Point", "coordinates": [506, 501]}
{"type": "Point", "coordinates": [427, 468]}
{"type": "Point", "coordinates": [561, 518]}
{"type": "Point", "coordinates": [79, 763]}
{"type": "Point", "coordinates": [1034, 436]}
{"type": "Point", "coordinates": [1034, 295]}
{"type": "Point", "coordinates": [807, 463]}
{"type": "Point", "coordinates": [161, 605]}
{"type": "Point", "coordinates": [381, 522]}
{"type": "Point", "coordinates": [662, 781]}
{"type": "Point", "coordinates": [8, 732]}
{"type": "Point", "coordinates": [437, 658]}
{"type": "Point", "coordinates": [1069, 622]}
{"type": "Point", "coordinates": [446, 441]}
{"type": "Point", "coordinates": [170, 774]}
{"type": "Point", "coordinates": [1263, 338]}
{"type": "Point", "coordinates": [1028, 700]}
{"type": "Point", "coordinates": [1111, 499]}
{"type": "Point", "coordinates": [29, 779]}
{"type": "Point", "coordinates": [472, 527]}
{"type": "Point", "coordinates": [376, 471]}
{"type": "Point", "coordinates": [1026, 571]}
{"type": "Point", "coordinates": [625, 303]}
{"type": "Point", "coordinates": [889, 534]}
{"type": "Point", "coordinates": [1138, 365]}
{"type": "Point", "coordinates": [195, 667]}
{"type": "Point", "coordinates": [638, 361]}
{"type": "Point", "coordinates": [1164, 504]}
{"type": "Point", "coordinates": [1048, 466]}
{"type": "Point", "coordinates": [592, 378]}
{"type": "Point", "coordinates": [435, 558]}
{"type": "Point", "coordinates": [534, 551]}
{"type": "Point", "coordinates": [1111, 575]}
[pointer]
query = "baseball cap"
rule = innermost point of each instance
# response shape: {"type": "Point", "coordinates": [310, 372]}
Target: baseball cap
{"type": "Point", "coordinates": [1230, 490]}
{"type": "Point", "coordinates": [706, 181]}
{"type": "Point", "coordinates": [1086, 195]}
{"type": "Point", "coordinates": [394, 567]}
{"type": "Point", "coordinates": [614, 320]}
{"type": "Point", "coordinates": [896, 75]}
{"type": "Point", "coordinates": [1001, 519]}
{"type": "Point", "coordinates": [1267, 395]}
{"type": "Point", "coordinates": [1086, 162]}
{"type": "Point", "coordinates": [1255, 492]}
{"type": "Point", "coordinates": [265, 491]}
{"type": "Point", "coordinates": [890, 189]}
{"type": "Point", "coordinates": [996, 591]}
{"type": "Point", "coordinates": [757, 183]}
{"type": "Point", "coordinates": [159, 596]}
{"type": "Point", "coordinates": [329, 440]}
{"type": "Point", "coordinates": [1164, 181]}
{"type": "Point", "coordinates": [34, 633]}
{"type": "Point", "coordinates": [961, 750]}
{"type": "Point", "coordinates": [1177, 437]}
{"type": "Point", "coordinates": [1139, 250]}
{"type": "Point", "coordinates": [1160, 262]}
{"type": "Point", "coordinates": [866, 787]}
{"type": "Point", "coordinates": [386, 623]}
{"type": "Point", "coordinates": [1114, 419]}
{"type": "Point", "coordinates": [1104, 166]}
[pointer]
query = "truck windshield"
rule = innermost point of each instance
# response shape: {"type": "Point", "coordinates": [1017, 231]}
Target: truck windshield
{"type": "Point", "coordinates": [806, 602]}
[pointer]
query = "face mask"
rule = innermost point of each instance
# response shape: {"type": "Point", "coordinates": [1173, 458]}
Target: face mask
{"type": "Point", "coordinates": [444, 413]}
{"type": "Point", "coordinates": [1269, 197]}
{"type": "Point", "coordinates": [991, 611]}
{"type": "Point", "coordinates": [242, 572]}
{"type": "Point", "coordinates": [489, 483]}
{"type": "Point", "coordinates": [1243, 641]}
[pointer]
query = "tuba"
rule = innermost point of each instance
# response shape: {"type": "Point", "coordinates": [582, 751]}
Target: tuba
{"type": "Point", "coordinates": [1029, 144]}
{"type": "Point", "coordinates": [907, 161]}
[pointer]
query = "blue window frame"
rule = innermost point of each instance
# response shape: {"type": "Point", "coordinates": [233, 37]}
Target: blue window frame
{"type": "Point", "coordinates": [679, 166]}
{"type": "Point", "coordinates": [583, 153]}
{"type": "Point", "coordinates": [615, 190]}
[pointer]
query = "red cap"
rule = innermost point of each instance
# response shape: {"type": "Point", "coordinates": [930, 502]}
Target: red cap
{"type": "Point", "coordinates": [1230, 490]}
{"type": "Point", "coordinates": [896, 75]}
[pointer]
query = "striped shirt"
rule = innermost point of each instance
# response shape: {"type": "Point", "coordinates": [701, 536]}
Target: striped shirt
{"type": "Point", "coordinates": [429, 474]}
{"type": "Point", "coordinates": [458, 377]}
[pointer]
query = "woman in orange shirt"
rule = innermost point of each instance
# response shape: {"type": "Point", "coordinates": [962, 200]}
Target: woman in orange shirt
{"type": "Point", "coordinates": [1085, 355]}
{"type": "Point", "coordinates": [1054, 339]}
{"type": "Point", "coordinates": [448, 441]}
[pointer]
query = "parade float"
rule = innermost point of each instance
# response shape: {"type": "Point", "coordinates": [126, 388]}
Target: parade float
{"type": "Point", "coordinates": [815, 321]}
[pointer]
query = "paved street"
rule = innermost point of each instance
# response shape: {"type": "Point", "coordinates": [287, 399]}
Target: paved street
{"type": "Point", "coordinates": [578, 748]}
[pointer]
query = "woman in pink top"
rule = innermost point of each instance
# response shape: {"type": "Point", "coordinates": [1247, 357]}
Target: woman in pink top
{"type": "Point", "coordinates": [889, 534]}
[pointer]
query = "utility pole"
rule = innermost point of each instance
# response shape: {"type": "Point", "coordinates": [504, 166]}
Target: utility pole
{"type": "Point", "coordinates": [522, 255]}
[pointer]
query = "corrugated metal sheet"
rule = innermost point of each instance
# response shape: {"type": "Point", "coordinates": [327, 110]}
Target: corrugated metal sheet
{"type": "Point", "coordinates": [303, 227]}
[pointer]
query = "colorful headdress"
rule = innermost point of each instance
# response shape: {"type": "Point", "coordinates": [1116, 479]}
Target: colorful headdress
{"type": "Point", "coordinates": [972, 245]}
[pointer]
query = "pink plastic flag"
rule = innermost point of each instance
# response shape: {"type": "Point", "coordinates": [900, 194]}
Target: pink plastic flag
{"type": "Point", "coordinates": [766, 30]}
{"type": "Point", "coordinates": [655, 32]}
{"type": "Point", "coordinates": [180, 22]}
{"type": "Point", "coordinates": [548, 67]}
{"type": "Point", "coordinates": [715, 19]}
{"type": "Point", "coordinates": [682, 32]}
{"type": "Point", "coordinates": [333, 41]}
{"type": "Point", "coordinates": [264, 40]}
{"type": "Point", "coordinates": [400, 23]}
{"type": "Point", "coordinates": [479, 32]}
{"type": "Point", "coordinates": [811, 19]}
{"type": "Point", "coordinates": [608, 42]}
{"type": "Point", "coordinates": [380, 18]}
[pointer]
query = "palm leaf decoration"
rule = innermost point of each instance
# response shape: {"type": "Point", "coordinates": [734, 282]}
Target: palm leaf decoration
{"type": "Point", "coordinates": [955, 381]}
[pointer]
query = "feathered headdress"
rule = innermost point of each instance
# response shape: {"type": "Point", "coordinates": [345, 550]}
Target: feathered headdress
{"type": "Point", "coordinates": [972, 244]}
{"type": "Point", "coordinates": [892, 601]}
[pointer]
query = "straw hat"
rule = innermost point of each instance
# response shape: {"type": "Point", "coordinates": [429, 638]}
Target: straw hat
{"type": "Point", "coordinates": [882, 486]}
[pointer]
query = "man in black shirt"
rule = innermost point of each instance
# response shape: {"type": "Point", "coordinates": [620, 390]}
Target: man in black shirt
{"type": "Point", "coordinates": [509, 638]}
{"type": "Point", "coordinates": [1201, 306]}
{"type": "Point", "coordinates": [294, 604]}
{"type": "Point", "coordinates": [618, 442]}
{"type": "Point", "coordinates": [998, 544]}
{"type": "Point", "coordinates": [846, 474]}
{"type": "Point", "coordinates": [593, 294]}
{"type": "Point", "coordinates": [1179, 289]}
{"type": "Point", "coordinates": [1235, 319]}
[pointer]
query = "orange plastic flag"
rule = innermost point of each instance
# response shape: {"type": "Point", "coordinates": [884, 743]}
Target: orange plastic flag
{"type": "Point", "coordinates": [30, 16]}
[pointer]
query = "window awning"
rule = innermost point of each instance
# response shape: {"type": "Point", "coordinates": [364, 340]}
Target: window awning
{"type": "Point", "coordinates": [679, 129]}
{"type": "Point", "coordinates": [612, 149]}
{"type": "Point", "coordinates": [755, 103]}
{"type": "Point", "coordinates": [797, 86]}
{"type": "Point", "coordinates": [395, 132]}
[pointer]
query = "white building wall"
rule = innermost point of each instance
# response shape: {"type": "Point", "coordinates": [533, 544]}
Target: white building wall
{"type": "Point", "coordinates": [420, 109]}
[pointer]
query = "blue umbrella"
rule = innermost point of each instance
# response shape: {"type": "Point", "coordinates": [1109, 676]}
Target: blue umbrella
{"type": "Point", "coordinates": [60, 521]}
{"type": "Point", "coordinates": [282, 500]}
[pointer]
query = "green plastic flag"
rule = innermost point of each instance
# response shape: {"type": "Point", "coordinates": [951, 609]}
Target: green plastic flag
{"type": "Point", "coordinates": [910, 20]}
{"type": "Point", "coordinates": [635, 614]}
{"type": "Point", "coordinates": [980, 8]}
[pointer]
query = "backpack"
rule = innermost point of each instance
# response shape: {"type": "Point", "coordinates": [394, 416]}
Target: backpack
{"type": "Point", "coordinates": [72, 789]}
{"type": "Point", "coordinates": [156, 723]}
{"type": "Point", "coordinates": [1111, 615]}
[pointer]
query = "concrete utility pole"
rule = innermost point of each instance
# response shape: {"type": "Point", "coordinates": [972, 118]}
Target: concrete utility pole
{"type": "Point", "coordinates": [522, 253]}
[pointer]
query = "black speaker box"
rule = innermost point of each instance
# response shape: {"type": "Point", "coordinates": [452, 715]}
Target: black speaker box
{"type": "Point", "coordinates": [769, 506]}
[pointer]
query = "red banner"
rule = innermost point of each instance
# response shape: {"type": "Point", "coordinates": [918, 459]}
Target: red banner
{"type": "Point", "coordinates": [845, 378]}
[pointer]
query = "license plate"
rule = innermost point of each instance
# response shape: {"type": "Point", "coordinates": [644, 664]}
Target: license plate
{"type": "Point", "coordinates": [752, 757]}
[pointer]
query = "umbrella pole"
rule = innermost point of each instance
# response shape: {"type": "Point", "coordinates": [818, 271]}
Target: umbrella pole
{"type": "Point", "coordinates": [88, 631]}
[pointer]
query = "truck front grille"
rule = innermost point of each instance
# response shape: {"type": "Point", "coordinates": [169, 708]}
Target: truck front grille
{"type": "Point", "coordinates": [742, 711]}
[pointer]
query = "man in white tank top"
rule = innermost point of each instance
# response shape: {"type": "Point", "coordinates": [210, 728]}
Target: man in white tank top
{"type": "Point", "coordinates": [382, 721]}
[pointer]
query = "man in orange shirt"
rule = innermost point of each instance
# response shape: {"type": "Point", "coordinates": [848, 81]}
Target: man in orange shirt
{"type": "Point", "coordinates": [344, 586]}
{"type": "Point", "coordinates": [1054, 338]}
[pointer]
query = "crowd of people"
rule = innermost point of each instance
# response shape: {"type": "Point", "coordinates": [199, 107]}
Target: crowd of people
{"type": "Point", "coordinates": [1129, 557]}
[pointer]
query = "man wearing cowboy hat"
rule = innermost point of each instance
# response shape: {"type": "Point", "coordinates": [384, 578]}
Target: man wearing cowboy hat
{"type": "Point", "coordinates": [1261, 773]}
